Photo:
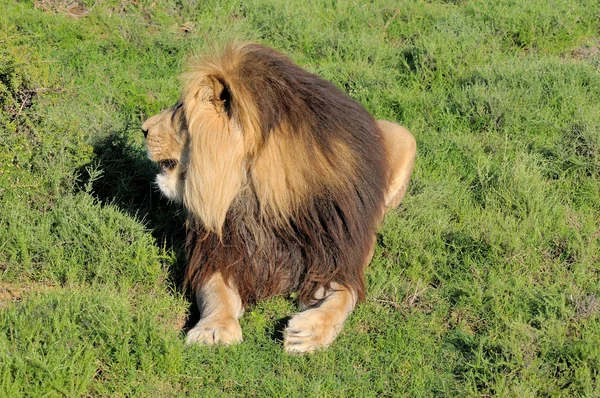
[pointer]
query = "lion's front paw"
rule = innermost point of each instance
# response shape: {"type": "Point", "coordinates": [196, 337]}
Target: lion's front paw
{"type": "Point", "coordinates": [224, 331]}
{"type": "Point", "coordinates": [308, 331]}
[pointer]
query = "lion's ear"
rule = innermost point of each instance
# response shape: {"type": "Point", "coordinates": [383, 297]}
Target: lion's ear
{"type": "Point", "coordinates": [216, 155]}
{"type": "Point", "coordinates": [220, 96]}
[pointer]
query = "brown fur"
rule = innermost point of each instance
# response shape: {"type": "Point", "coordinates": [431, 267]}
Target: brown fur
{"type": "Point", "coordinates": [286, 177]}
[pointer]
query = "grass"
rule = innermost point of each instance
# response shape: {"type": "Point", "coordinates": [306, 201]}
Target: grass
{"type": "Point", "coordinates": [485, 282]}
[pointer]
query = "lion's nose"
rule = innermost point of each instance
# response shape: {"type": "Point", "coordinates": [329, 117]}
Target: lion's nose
{"type": "Point", "coordinates": [145, 131]}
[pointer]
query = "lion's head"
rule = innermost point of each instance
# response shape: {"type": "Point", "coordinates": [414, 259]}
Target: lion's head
{"type": "Point", "coordinates": [199, 148]}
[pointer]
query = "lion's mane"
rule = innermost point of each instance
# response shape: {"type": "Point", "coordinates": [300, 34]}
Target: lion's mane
{"type": "Point", "coordinates": [285, 176]}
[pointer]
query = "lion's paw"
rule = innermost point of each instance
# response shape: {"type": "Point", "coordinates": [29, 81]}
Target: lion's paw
{"type": "Point", "coordinates": [215, 331]}
{"type": "Point", "coordinates": [308, 331]}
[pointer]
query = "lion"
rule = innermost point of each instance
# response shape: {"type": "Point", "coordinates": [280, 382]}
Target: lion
{"type": "Point", "coordinates": [285, 180]}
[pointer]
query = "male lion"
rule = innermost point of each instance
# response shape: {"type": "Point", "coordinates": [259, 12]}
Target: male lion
{"type": "Point", "coordinates": [285, 179]}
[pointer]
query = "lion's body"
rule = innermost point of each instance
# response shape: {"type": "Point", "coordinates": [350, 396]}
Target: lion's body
{"type": "Point", "coordinates": [285, 179]}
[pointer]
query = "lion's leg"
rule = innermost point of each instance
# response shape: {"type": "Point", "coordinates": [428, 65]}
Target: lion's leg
{"type": "Point", "coordinates": [316, 326]}
{"type": "Point", "coordinates": [220, 307]}
{"type": "Point", "coordinates": [401, 148]}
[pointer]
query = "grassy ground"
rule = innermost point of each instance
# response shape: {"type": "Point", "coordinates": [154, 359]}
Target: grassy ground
{"type": "Point", "coordinates": [485, 282]}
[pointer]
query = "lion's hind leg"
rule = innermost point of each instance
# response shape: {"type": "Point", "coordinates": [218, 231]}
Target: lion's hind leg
{"type": "Point", "coordinates": [401, 149]}
{"type": "Point", "coordinates": [220, 307]}
{"type": "Point", "coordinates": [316, 326]}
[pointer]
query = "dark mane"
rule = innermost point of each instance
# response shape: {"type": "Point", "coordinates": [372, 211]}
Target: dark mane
{"type": "Point", "coordinates": [327, 235]}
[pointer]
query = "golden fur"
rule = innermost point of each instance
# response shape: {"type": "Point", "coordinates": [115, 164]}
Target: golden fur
{"type": "Point", "coordinates": [285, 180]}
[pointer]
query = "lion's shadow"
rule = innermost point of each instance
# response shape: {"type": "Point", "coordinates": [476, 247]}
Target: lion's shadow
{"type": "Point", "coordinates": [126, 180]}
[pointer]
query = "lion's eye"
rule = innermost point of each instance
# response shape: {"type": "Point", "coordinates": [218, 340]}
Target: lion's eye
{"type": "Point", "coordinates": [168, 164]}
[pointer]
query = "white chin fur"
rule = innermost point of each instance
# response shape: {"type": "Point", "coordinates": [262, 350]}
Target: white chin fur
{"type": "Point", "coordinates": [171, 186]}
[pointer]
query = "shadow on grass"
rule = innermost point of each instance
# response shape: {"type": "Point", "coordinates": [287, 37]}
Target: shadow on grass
{"type": "Point", "coordinates": [279, 329]}
{"type": "Point", "coordinates": [122, 175]}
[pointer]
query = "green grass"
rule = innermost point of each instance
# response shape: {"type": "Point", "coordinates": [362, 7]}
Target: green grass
{"type": "Point", "coordinates": [485, 282]}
